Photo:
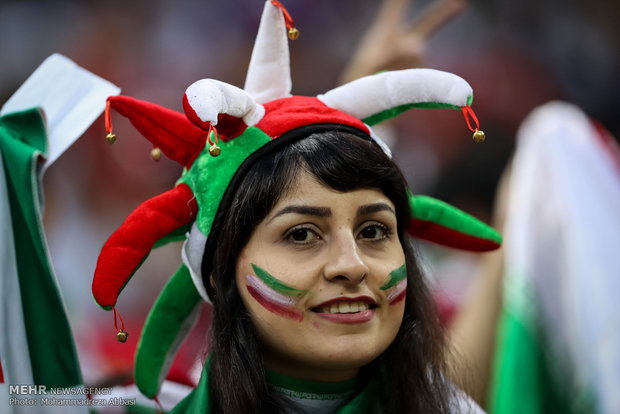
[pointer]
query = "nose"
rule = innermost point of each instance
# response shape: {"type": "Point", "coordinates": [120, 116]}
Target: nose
{"type": "Point", "coordinates": [345, 262]}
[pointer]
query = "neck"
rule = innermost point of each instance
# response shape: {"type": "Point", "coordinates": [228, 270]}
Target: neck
{"type": "Point", "coordinates": [295, 384]}
{"type": "Point", "coordinates": [307, 396]}
{"type": "Point", "coordinates": [303, 372]}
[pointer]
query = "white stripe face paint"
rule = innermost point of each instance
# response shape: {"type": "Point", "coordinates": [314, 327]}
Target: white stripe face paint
{"type": "Point", "coordinates": [270, 294]}
{"type": "Point", "coordinates": [397, 291]}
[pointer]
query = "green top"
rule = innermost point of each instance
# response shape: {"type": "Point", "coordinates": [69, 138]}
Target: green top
{"type": "Point", "coordinates": [310, 396]}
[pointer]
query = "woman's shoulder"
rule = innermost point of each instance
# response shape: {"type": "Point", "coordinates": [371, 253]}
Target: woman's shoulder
{"type": "Point", "coordinates": [464, 404]}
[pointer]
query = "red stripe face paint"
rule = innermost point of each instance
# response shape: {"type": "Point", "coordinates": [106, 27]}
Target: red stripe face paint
{"type": "Point", "coordinates": [274, 295]}
{"type": "Point", "coordinates": [397, 284]}
{"type": "Point", "coordinates": [398, 294]}
{"type": "Point", "coordinates": [287, 312]}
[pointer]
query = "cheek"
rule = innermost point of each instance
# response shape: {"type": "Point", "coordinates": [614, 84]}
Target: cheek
{"type": "Point", "coordinates": [262, 301]}
{"type": "Point", "coordinates": [398, 293]}
{"type": "Point", "coordinates": [265, 292]}
{"type": "Point", "coordinates": [395, 286]}
{"type": "Point", "coordinates": [273, 304]}
{"type": "Point", "coordinates": [394, 320]}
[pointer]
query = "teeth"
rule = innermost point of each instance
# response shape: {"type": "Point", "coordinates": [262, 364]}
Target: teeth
{"type": "Point", "coordinates": [345, 307]}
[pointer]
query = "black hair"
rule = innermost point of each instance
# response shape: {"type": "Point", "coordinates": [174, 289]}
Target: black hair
{"type": "Point", "coordinates": [409, 373]}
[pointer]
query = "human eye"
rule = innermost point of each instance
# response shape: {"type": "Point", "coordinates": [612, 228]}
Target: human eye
{"type": "Point", "coordinates": [301, 235]}
{"type": "Point", "coordinates": [374, 232]}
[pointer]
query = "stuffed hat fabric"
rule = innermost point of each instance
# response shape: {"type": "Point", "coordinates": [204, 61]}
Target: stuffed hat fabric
{"type": "Point", "coordinates": [222, 113]}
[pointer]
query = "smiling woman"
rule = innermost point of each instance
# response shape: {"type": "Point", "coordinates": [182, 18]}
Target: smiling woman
{"type": "Point", "coordinates": [310, 279]}
{"type": "Point", "coordinates": [331, 250]}
{"type": "Point", "coordinates": [296, 223]}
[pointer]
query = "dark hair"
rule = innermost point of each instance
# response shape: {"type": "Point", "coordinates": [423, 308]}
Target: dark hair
{"type": "Point", "coordinates": [409, 373]}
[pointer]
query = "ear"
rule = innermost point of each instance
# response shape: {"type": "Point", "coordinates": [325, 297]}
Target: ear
{"type": "Point", "coordinates": [171, 318]}
{"type": "Point", "coordinates": [376, 98]}
{"type": "Point", "coordinates": [439, 222]}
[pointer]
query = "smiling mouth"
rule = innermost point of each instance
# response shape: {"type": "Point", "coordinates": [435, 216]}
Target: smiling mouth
{"type": "Point", "coordinates": [344, 307]}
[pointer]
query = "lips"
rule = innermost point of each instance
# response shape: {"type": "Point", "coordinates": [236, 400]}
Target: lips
{"type": "Point", "coordinates": [343, 307]}
{"type": "Point", "coordinates": [347, 310]}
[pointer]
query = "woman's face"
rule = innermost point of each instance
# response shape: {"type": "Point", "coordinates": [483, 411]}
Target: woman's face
{"type": "Point", "coordinates": [323, 279]}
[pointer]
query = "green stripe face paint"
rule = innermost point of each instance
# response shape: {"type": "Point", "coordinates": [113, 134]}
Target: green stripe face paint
{"type": "Point", "coordinates": [395, 277]}
{"type": "Point", "coordinates": [276, 284]}
{"type": "Point", "coordinates": [397, 283]}
{"type": "Point", "coordinates": [273, 294]}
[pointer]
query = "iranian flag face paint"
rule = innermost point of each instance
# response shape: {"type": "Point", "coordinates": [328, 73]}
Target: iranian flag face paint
{"type": "Point", "coordinates": [397, 285]}
{"type": "Point", "coordinates": [274, 295]}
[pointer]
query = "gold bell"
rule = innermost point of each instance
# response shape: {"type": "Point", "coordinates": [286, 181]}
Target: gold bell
{"type": "Point", "coordinates": [293, 33]}
{"type": "Point", "coordinates": [156, 154]}
{"type": "Point", "coordinates": [111, 138]}
{"type": "Point", "coordinates": [121, 336]}
{"type": "Point", "coordinates": [214, 150]}
{"type": "Point", "coordinates": [478, 136]}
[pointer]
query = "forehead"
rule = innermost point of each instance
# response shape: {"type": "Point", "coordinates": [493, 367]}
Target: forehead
{"type": "Point", "coordinates": [306, 189]}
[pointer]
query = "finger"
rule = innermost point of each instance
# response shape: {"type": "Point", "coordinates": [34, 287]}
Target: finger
{"type": "Point", "coordinates": [391, 12]}
{"type": "Point", "coordinates": [433, 17]}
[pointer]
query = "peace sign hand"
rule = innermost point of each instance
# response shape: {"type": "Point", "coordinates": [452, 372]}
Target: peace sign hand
{"type": "Point", "coordinates": [391, 43]}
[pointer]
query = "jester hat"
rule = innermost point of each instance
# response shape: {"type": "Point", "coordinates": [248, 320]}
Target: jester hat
{"type": "Point", "coordinates": [224, 129]}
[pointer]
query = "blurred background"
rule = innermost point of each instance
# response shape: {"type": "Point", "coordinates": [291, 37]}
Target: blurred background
{"type": "Point", "coordinates": [516, 56]}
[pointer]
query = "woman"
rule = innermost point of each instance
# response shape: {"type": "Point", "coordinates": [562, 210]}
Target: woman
{"type": "Point", "coordinates": [298, 238]}
{"type": "Point", "coordinates": [304, 226]}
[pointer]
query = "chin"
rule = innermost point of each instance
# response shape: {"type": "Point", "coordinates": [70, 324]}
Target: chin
{"type": "Point", "coordinates": [351, 357]}
{"type": "Point", "coordinates": [349, 362]}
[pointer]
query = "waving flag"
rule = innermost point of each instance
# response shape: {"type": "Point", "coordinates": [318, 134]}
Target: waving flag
{"type": "Point", "coordinates": [59, 101]}
{"type": "Point", "coordinates": [559, 339]}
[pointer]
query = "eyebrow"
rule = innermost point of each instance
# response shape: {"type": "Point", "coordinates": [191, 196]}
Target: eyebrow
{"type": "Point", "coordinates": [374, 208]}
{"type": "Point", "coordinates": [305, 210]}
{"type": "Point", "coordinates": [326, 211]}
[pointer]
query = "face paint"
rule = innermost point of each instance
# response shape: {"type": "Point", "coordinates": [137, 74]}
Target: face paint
{"type": "Point", "coordinates": [398, 283]}
{"type": "Point", "coordinates": [273, 294]}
